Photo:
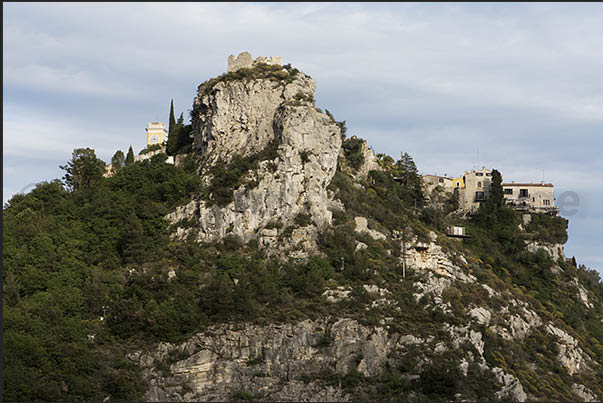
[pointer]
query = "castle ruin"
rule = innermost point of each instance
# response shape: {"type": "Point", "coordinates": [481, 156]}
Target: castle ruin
{"type": "Point", "coordinates": [245, 60]}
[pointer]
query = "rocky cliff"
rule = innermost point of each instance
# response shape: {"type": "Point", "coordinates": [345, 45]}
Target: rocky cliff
{"type": "Point", "coordinates": [243, 118]}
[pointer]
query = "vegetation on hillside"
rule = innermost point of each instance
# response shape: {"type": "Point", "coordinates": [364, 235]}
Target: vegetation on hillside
{"type": "Point", "coordinates": [91, 273]}
{"type": "Point", "coordinates": [66, 256]}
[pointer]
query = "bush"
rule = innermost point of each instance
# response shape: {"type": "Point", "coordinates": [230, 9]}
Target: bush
{"type": "Point", "coordinates": [303, 220]}
{"type": "Point", "coordinates": [352, 149]}
{"type": "Point", "coordinates": [150, 148]}
{"type": "Point", "coordinates": [241, 395]}
{"type": "Point", "coordinates": [304, 156]}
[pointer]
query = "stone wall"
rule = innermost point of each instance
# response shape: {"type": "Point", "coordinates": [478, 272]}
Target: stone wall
{"type": "Point", "coordinates": [246, 60]}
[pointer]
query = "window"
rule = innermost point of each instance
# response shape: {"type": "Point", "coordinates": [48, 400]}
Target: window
{"type": "Point", "coordinates": [479, 184]}
{"type": "Point", "coordinates": [479, 174]}
{"type": "Point", "coordinates": [508, 191]}
{"type": "Point", "coordinates": [479, 196]}
{"type": "Point", "coordinates": [546, 202]}
{"type": "Point", "coordinates": [488, 173]}
{"type": "Point", "coordinates": [523, 193]}
{"type": "Point", "coordinates": [441, 180]}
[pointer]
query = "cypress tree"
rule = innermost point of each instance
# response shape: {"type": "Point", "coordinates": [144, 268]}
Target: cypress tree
{"type": "Point", "coordinates": [492, 210]}
{"type": "Point", "coordinates": [130, 156]}
{"type": "Point", "coordinates": [496, 190]}
{"type": "Point", "coordinates": [172, 123]}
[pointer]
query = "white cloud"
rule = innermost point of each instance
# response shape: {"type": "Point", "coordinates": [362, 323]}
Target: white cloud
{"type": "Point", "coordinates": [50, 138]}
{"type": "Point", "coordinates": [45, 78]}
{"type": "Point", "coordinates": [520, 82]}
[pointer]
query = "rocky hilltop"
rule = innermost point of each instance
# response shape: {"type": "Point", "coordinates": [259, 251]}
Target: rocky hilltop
{"type": "Point", "coordinates": [280, 259]}
{"type": "Point", "coordinates": [274, 119]}
{"type": "Point", "coordinates": [451, 309]}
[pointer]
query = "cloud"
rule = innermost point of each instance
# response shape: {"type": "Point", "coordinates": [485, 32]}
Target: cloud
{"type": "Point", "coordinates": [521, 83]}
{"type": "Point", "coordinates": [45, 78]}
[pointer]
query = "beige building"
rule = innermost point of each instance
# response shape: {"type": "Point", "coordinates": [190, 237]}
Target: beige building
{"type": "Point", "coordinates": [476, 188]}
{"type": "Point", "coordinates": [530, 196]}
{"type": "Point", "coordinates": [473, 188]}
{"type": "Point", "coordinates": [430, 182]}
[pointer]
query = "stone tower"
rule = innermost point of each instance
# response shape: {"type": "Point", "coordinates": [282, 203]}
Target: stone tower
{"type": "Point", "coordinates": [156, 133]}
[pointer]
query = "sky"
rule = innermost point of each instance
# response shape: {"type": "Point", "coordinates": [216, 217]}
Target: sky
{"type": "Point", "coordinates": [513, 86]}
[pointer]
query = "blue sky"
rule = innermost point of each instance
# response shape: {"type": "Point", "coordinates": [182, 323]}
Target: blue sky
{"type": "Point", "coordinates": [516, 87]}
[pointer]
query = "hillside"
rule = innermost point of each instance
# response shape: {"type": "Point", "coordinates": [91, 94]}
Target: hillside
{"type": "Point", "coordinates": [267, 264]}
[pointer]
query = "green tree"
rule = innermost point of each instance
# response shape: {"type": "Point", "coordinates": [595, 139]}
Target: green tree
{"type": "Point", "coordinates": [407, 173]}
{"type": "Point", "coordinates": [83, 169]}
{"type": "Point", "coordinates": [491, 208]}
{"type": "Point", "coordinates": [118, 161]}
{"type": "Point", "coordinates": [496, 197]}
{"type": "Point", "coordinates": [132, 244]}
{"type": "Point", "coordinates": [172, 123]}
{"type": "Point", "coordinates": [130, 157]}
{"type": "Point", "coordinates": [179, 136]}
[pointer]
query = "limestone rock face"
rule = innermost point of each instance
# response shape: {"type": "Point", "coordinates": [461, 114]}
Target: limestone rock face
{"type": "Point", "coordinates": [512, 388]}
{"type": "Point", "coordinates": [271, 359]}
{"type": "Point", "coordinates": [243, 117]}
{"type": "Point", "coordinates": [362, 226]}
{"type": "Point", "coordinates": [555, 251]}
{"type": "Point", "coordinates": [584, 393]}
{"type": "Point", "coordinates": [369, 164]}
{"type": "Point", "coordinates": [570, 355]}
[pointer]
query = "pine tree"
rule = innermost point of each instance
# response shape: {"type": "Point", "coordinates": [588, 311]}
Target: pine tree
{"type": "Point", "coordinates": [130, 156]}
{"type": "Point", "coordinates": [83, 169]}
{"type": "Point", "coordinates": [118, 161]}
{"type": "Point", "coordinates": [406, 169]}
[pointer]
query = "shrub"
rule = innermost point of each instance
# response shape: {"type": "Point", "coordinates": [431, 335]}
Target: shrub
{"type": "Point", "coordinates": [150, 148]}
{"type": "Point", "coordinates": [352, 149]}
{"type": "Point", "coordinates": [303, 219]}
{"type": "Point", "coordinates": [241, 395]}
{"type": "Point", "coordinates": [304, 155]}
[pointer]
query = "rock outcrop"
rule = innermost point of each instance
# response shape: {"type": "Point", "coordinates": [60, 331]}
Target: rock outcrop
{"type": "Point", "coordinates": [555, 251]}
{"type": "Point", "coordinates": [369, 163]}
{"type": "Point", "coordinates": [243, 117]}
{"type": "Point", "coordinates": [272, 359]}
{"type": "Point", "coordinates": [284, 362]}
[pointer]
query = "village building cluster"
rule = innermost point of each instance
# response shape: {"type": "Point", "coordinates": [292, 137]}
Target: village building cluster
{"type": "Point", "coordinates": [473, 188]}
